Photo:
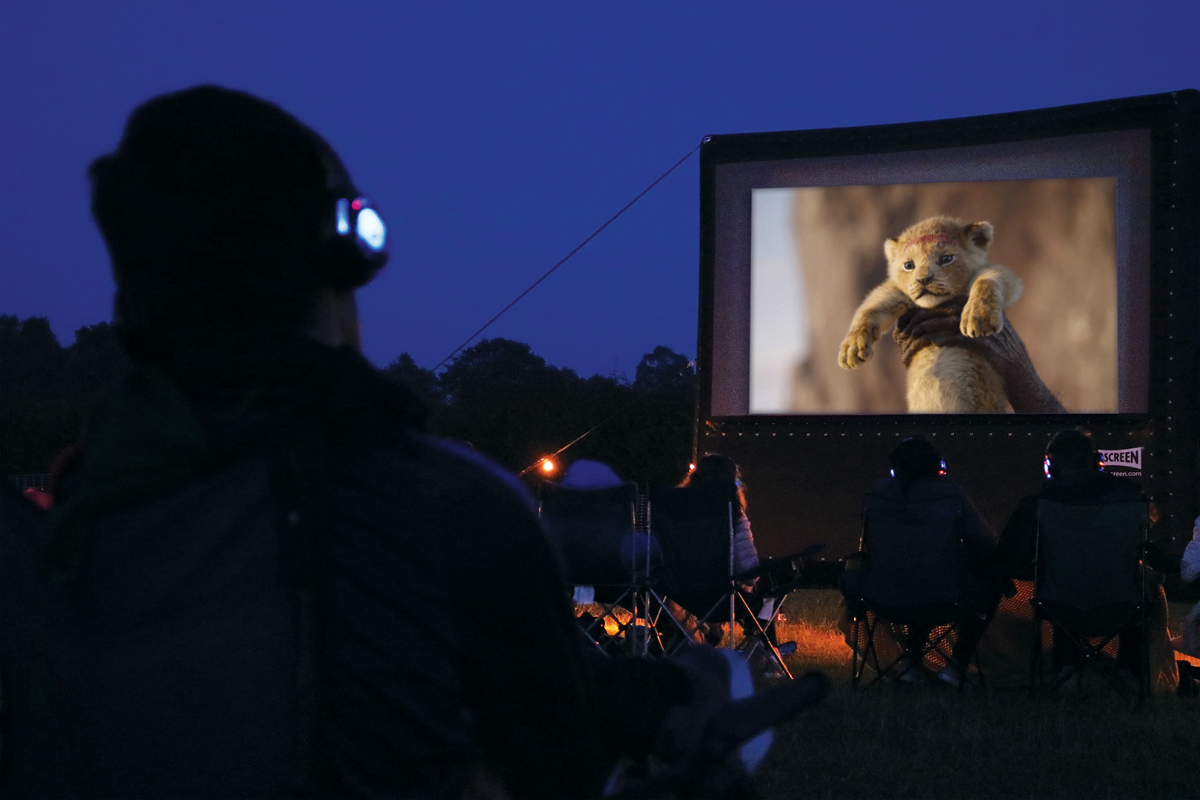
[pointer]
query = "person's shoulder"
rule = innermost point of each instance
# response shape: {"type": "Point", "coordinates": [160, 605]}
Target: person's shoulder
{"type": "Point", "coordinates": [1088, 488]}
{"type": "Point", "coordinates": [1123, 487]}
{"type": "Point", "coordinates": [936, 488]}
{"type": "Point", "coordinates": [886, 486]}
{"type": "Point", "coordinates": [448, 491]}
{"type": "Point", "coordinates": [946, 487]}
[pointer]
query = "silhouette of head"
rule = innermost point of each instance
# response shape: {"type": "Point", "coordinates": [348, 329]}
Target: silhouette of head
{"type": "Point", "coordinates": [218, 212]}
{"type": "Point", "coordinates": [916, 458]}
{"type": "Point", "coordinates": [714, 469]}
{"type": "Point", "coordinates": [1071, 450]}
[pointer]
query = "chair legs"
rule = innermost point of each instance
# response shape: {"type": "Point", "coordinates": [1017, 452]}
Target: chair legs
{"type": "Point", "coordinates": [915, 646]}
{"type": "Point", "coordinates": [635, 615]}
{"type": "Point", "coordinates": [757, 634]}
{"type": "Point", "coordinates": [1077, 653]}
{"type": "Point", "coordinates": [685, 629]}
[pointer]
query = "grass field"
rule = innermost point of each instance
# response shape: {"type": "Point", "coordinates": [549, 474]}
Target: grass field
{"type": "Point", "coordinates": [933, 742]}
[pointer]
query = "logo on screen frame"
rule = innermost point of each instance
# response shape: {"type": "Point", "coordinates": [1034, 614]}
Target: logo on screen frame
{"type": "Point", "coordinates": [1127, 462]}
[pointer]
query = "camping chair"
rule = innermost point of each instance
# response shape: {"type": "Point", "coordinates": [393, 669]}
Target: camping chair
{"type": "Point", "coordinates": [696, 530]}
{"type": "Point", "coordinates": [594, 531]}
{"type": "Point", "coordinates": [1089, 584]}
{"type": "Point", "coordinates": [911, 553]}
{"type": "Point", "coordinates": [773, 580]}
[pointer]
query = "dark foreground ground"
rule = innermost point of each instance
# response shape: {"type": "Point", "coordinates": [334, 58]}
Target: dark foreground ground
{"type": "Point", "coordinates": [933, 742]}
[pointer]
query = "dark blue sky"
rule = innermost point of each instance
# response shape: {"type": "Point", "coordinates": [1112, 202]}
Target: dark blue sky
{"type": "Point", "coordinates": [497, 136]}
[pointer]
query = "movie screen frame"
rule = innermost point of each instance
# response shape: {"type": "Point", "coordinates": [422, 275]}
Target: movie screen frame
{"type": "Point", "coordinates": [1120, 141]}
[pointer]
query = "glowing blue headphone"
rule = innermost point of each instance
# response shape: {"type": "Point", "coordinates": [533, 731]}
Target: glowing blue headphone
{"type": "Point", "coordinates": [357, 217]}
{"type": "Point", "coordinates": [358, 224]}
{"type": "Point", "coordinates": [356, 242]}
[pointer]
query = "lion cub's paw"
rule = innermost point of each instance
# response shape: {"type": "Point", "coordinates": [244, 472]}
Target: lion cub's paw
{"type": "Point", "coordinates": [981, 318]}
{"type": "Point", "coordinates": [856, 348]}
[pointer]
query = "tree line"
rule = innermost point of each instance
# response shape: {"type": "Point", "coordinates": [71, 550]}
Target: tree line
{"type": "Point", "coordinates": [497, 395]}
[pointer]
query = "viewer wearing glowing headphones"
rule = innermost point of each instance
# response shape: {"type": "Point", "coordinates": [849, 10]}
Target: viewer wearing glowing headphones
{"type": "Point", "coordinates": [255, 578]}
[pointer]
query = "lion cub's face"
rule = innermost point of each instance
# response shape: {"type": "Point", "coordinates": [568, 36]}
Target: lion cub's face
{"type": "Point", "coordinates": [937, 258]}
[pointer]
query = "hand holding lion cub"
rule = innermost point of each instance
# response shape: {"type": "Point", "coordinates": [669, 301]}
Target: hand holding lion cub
{"type": "Point", "coordinates": [933, 261]}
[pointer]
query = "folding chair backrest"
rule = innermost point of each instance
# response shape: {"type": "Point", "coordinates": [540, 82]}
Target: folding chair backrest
{"type": "Point", "coordinates": [695, 529]}
{"type": "Point", "coordinates": [589, 527]}
{"type": "Point", "coordinates": [1088, 555]}
{"type": "Point", "coordinates": [913, 551]}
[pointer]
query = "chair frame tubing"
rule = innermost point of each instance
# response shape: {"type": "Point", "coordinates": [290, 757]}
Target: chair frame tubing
{"type": "Point", "coordinates": [1092, 654]}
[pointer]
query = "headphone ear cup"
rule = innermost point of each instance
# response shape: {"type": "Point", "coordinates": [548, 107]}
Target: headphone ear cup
{"type": "Point", "coordinates": [342, 265]}
{"type": "Point", "coordinates": [353, 252]}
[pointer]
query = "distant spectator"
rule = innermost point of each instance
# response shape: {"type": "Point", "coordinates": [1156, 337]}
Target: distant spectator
{"type": "Point", "coordinates": [1076, 477]}
{"type": "Point", "coordinates": [714, 469]}
{"type": "Point", "coordinates": [918, 478]}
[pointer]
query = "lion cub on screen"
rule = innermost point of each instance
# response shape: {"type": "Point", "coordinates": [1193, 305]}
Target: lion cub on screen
{"type": "Point", "coordinates": [931, 262]}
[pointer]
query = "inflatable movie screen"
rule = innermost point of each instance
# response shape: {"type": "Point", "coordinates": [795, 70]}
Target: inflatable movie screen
{"type": "Point", "coordinates": [810, 261]}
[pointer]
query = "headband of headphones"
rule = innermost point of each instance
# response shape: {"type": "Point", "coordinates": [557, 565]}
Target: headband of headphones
{"type": "Point", "coordinates": [941, 469]}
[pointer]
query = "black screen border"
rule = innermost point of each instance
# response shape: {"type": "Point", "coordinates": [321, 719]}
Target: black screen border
{"type": "Point", "coordinates": [1173, 236]}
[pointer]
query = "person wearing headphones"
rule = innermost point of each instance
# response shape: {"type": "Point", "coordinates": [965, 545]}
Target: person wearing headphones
{"type": "Point", "coordinates": [1075, 476]}
{"type": "Point", "coordinates": [918, 477]}
{"type": "Point", "coordinates": [253, 572]}
{"type": "Point", "coordinates": [256, 578]}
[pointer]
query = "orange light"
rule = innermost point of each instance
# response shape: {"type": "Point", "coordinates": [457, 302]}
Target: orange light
{"type": "Point", "coordinates": [691, 467]}
{"type": "Point", "coordinates": [548, 465]}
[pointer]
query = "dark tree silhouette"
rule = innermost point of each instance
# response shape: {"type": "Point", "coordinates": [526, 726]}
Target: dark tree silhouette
{"type": "Point", "coordinates": [45, 389]}
{"type": "Point", "coordinates": [504, 399]}
{"type": "Point", "coordinates": [422, 381]}
{"type": "Point", "coordinates": [663, 368]}
{"type": "Point", "coordinates": [498, 395]}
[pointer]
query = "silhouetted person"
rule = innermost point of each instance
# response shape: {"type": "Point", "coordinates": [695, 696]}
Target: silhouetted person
{"type": "Point", "coordinates": [716, 470]}
{"type": "Point", "coordinates": [257, 576]}
{"type": "Point", "coordinates": [260, 577]}
{"type": "Point", "coordinates": [918, 482]}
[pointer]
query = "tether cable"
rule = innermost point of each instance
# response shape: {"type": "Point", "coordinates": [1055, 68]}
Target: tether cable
{"type": "Point", "coordinates": [566, 258]}
{"type": "Point", "coordinates": [565, 446]}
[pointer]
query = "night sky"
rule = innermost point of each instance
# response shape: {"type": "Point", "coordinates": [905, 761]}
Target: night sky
{"type": "Point", "coordinates": [495, 137]}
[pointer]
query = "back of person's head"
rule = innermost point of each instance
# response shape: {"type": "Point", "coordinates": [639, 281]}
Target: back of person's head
{"type": "Point", "coordinates": [916, 458]}
{"type": "Point", "coordinates": [218, 210]}
{"type": "Point", "coordinates": [1071, 450]}
{"type": "Point", "coordinates": [714, 469]}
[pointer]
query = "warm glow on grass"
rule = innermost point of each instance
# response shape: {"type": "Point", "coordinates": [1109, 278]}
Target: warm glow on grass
{"type": "Point", "coordinates": [816, 647]}
{"type": "Point", "coordinates": [930, 742]}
